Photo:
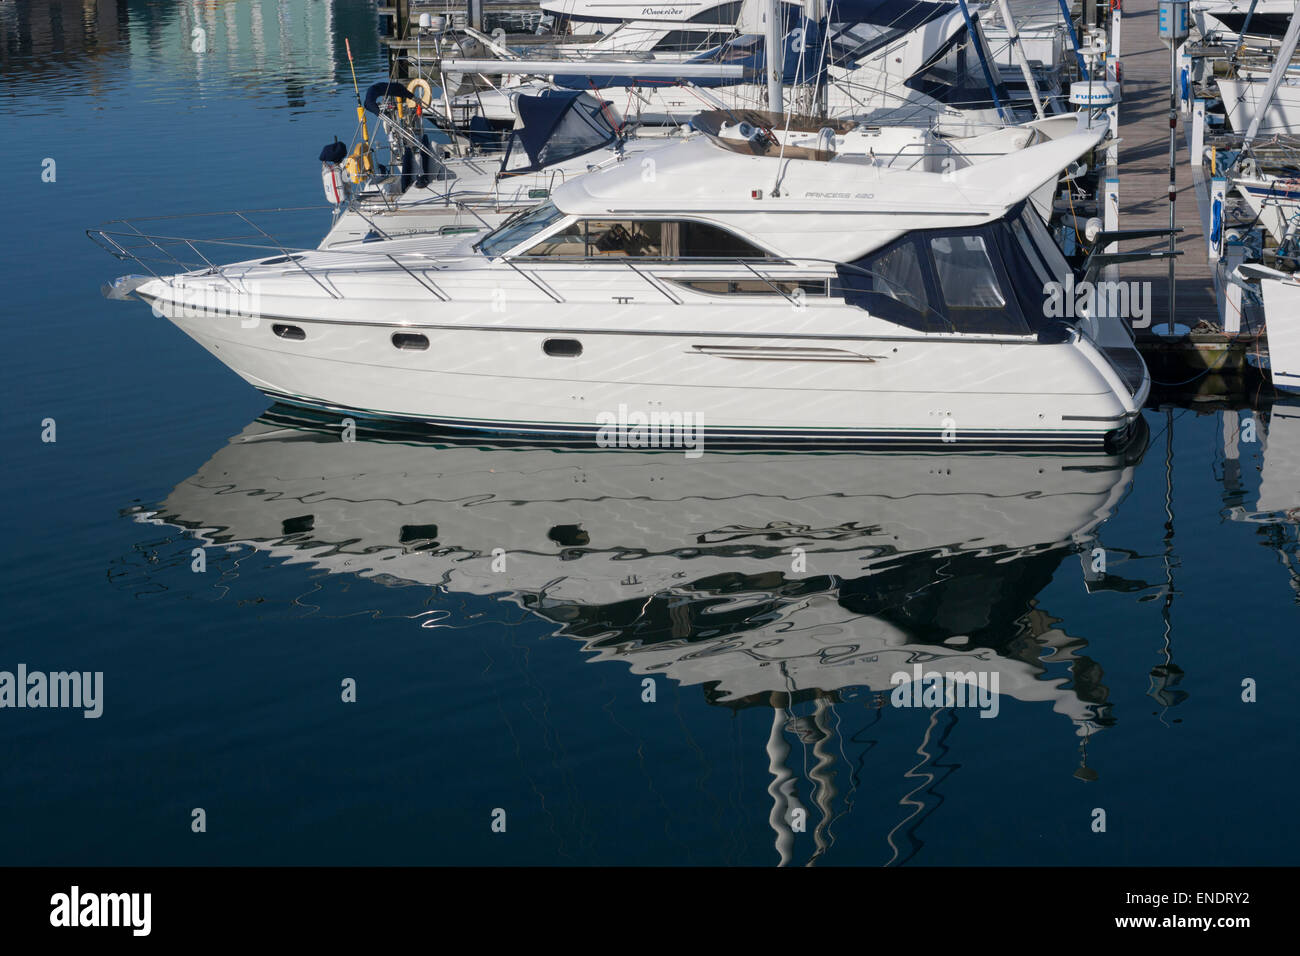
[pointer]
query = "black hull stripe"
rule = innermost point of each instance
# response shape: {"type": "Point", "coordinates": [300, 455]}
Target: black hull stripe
{"type": "Point", "coordinates": [728, 437]}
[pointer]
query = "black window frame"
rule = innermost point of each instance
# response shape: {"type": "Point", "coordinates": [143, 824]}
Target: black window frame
{"type": "Point", "coordinates": [1023, 315]}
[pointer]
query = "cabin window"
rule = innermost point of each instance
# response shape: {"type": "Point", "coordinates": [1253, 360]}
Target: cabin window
{"type": "Point", "coordinates": [1030, 252]}
{"type": "Point", "coordinates": [1044, 242]}
{"type": "Point", "coordinates": [645, 239]}
{"type": "Point", "coordinates": [965, 272]}
{"type": "Point", "coordinates": [690, 40]}
{"type": "Point", "coordinates": [569, 241]}
{"type": "Point", "coordinates": [519, 228]}
{"type": "Point", "coordinates": [898, 275]}
{"type": "Point", "coordinates": [975, 281]}
{"type": "Point", "coordinates": [755, 286]}
{"type": "Point", "coordinates": [625, 238]}
{"type": "Point", "coordinates": [410, 341]}
{"type": "Point", "coordinates": [724, 14]}
{"type": "Point", "coordinates": [893, 284]}
{"type": "Point", "coordinates": [699, 240]}
{"type": "Point", "coordinates": [291, 332]}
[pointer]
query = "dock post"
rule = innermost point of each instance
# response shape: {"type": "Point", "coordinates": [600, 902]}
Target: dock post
{"type": "Point", "coordinates": [1114, 73]}
{"type": "Point", "coordinates": [1229, 292]}
{"type": "Point", "coordinates": [1112, 147]}
{"type": "Point", "coordinates": [1198, 133]}
{"type": "Point", "coordinates": [1116, 21]}
{"type": "Point", "coordinates": [1110, 216]}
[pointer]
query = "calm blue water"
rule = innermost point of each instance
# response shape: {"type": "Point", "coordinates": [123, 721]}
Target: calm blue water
{"type": "Point", "coordinates": [523, 689]}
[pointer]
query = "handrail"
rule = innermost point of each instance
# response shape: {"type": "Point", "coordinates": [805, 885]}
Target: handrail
{"type": "Point", "coordinates": [290, 256]}
{"type": "Point", "coordinates": [649, 269]}
{"type": "Point", "coordinates": [533, 280]}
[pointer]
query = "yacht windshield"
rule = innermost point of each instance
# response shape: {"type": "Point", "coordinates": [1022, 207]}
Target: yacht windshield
{"type": "Point", "coordinates": [518, 228]}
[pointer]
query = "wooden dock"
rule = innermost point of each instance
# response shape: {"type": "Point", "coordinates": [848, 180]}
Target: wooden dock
{"type": "Point", "coordinates": [1144, 176]}
{"type": "Point", "coordinates": [1144, 204]}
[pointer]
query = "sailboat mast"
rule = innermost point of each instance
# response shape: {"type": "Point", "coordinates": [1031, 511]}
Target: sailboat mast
{"type": "Point", "coordinates": [773, 50]}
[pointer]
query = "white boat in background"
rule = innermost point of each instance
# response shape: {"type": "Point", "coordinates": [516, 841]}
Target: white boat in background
{"type": "Point", "coordinates": [889, 63]}
{"type": "Point", "coordinates": [1275, 201]}
{"type": "Point", "coordinates": [1224, 20]}
{"type": "Point", "coordinates": [1280, 293]}
{"type": "Point", "coordinates": [1044, 34]}
{"type": "Point", "coordinates": [772, 291]}
{"type": "Point", "coordinates": [560, 134]}
{"type": "Point", "coordinates": [663, 28]}
{"type": "Point", "coordinates": [1243, 101]}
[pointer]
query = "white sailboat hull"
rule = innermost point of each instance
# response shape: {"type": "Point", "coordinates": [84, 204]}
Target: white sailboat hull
{"type": "Point", "coordinates": [1282, 318]}
{"type": "Point", "coordinates": [1242, 102]}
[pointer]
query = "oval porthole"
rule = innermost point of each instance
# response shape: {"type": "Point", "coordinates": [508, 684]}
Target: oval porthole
{"type": "Point", "coordinates": [562, 348]}
{"type": "Point", "coordinates": [569, 536]}
{"type": "Point", "coordinates": [289, 332]}
{"type": "Point", "coordinates": [410, 341]}
{"type": "Point", "coordinates": [278, 260]}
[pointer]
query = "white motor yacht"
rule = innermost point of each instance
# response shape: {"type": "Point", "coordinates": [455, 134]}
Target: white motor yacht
{"type": "Point", "coordinates": [767, 289]}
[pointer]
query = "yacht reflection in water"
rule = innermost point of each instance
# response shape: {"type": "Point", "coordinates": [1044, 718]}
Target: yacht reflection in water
{"type": "Point", "coordinates": [779, 580]}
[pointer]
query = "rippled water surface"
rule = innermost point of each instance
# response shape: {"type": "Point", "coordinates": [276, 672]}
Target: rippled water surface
{"type": "Point", "coordinates": [507, 613]}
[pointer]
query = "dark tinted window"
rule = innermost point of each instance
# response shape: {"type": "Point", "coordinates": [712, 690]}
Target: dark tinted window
{"type": "Point", "coordinates": [645, 238]}
{"type": "Point", "coordinates": [725, 14]}
{"type": "Point", "coordinates": [700, 240]}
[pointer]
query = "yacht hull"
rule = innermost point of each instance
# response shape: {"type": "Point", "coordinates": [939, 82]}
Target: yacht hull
{"type": "Point", "coordinates": [479, 376]}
